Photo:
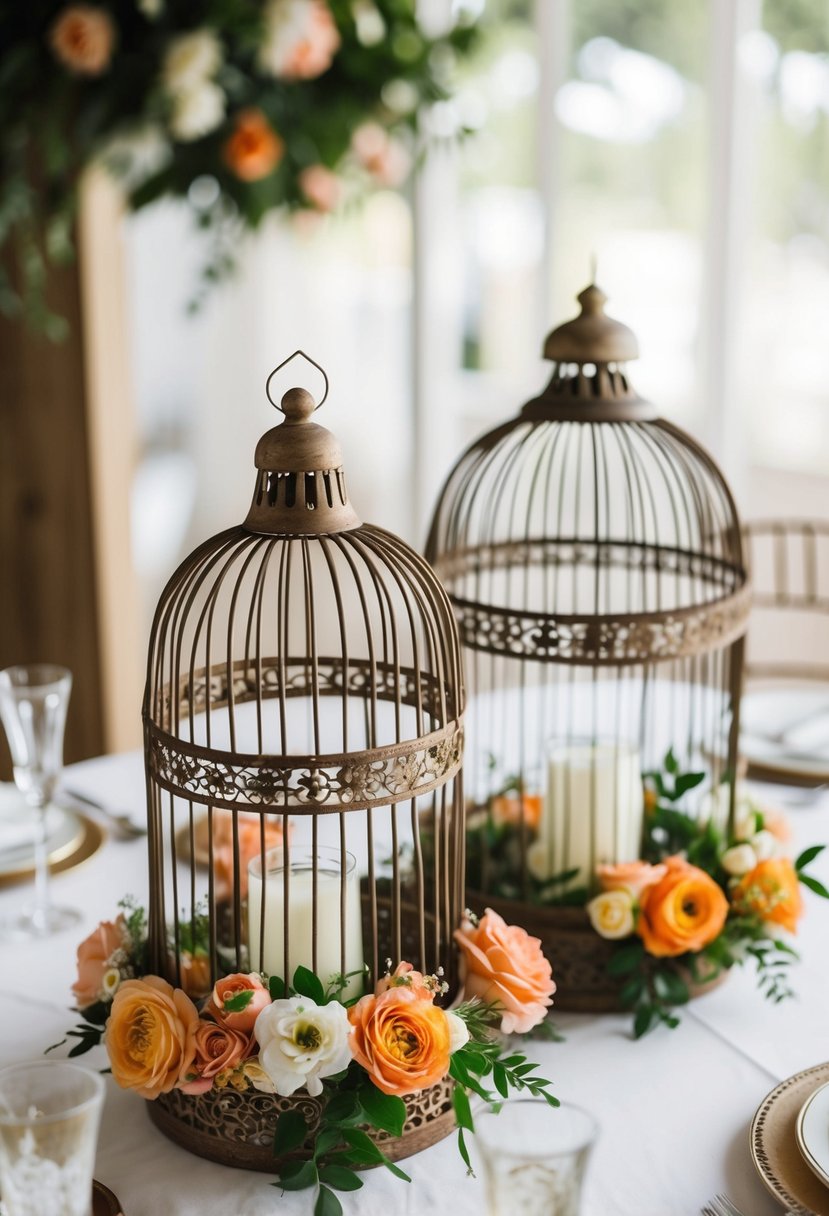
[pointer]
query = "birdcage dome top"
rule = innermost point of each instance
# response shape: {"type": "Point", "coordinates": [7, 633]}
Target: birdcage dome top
{"type": "Point", "coordinates": [586, 527]}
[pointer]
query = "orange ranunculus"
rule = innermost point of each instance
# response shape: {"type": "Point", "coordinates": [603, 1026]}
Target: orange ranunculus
{"type": "Point", "coordinates": [502, 963]}
{"type": "Point", "coordinates": [249, 837]}
{"type": "Point", "coordinates": [94, 954]}
{"type": "Point", "coordinates": [405, 976]}
{"type": "Point", "coordinates": [632, 876]}
{"type": "Point", "coordinates": [82, 38]}
{"type": "Point", "coordinates": [771, 891]}
{"type": "Point", "coordinates": [682, 912]}
{"type": "Point", "coordinates": [254, 149]}
{"type": "Point", "coordinates": [218, 1049]}
{"type": "Point", "coordinates": [515, 810]}
{"type": "Point", "coordinates": [231, 986]}
{"type": "Point", "coordinates": [402, 1041]}
{"type": "Point", "coordinates": [151, 1036]}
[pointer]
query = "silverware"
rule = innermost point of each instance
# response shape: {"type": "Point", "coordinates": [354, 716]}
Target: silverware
{"type": "Point", "coordinates": [122, 822]}
{"type": "Point", "coordinates": [720, 1205]}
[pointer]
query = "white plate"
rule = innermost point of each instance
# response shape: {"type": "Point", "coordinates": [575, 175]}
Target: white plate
{"type": "Point", "coordinates": [812, 1133]}
{"type": "Point", "coordinates": [18, 823]}
{"type": "Point", "coordinates": [801, 715]}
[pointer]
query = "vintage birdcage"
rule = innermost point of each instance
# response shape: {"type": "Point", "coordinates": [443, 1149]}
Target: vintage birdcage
{"type": "Point", "coordinates": [592, 553]}
{"type": "Point", "coordinates": [303, 726]}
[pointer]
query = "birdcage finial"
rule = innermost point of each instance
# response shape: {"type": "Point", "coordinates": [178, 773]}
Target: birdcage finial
{"type": "Point", "coordinates": [301, 354]}
{"type": "Point", "coordinates": [592, 337]}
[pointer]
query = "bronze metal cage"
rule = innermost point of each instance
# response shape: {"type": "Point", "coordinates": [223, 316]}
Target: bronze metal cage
{"type": "Point", "coordinates": [303, 723]}
{"type": "Point", "coordinates": [593, 556]}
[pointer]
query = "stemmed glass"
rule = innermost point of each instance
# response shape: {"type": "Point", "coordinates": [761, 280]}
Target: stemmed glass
{"type": "Point", "coordinates": [33, 704]}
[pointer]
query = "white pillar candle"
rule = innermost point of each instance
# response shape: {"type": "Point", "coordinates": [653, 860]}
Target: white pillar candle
{"type": "Point", "coordinates": [593, 810]}
{"type": "Point", "coordinates": [329, 895]}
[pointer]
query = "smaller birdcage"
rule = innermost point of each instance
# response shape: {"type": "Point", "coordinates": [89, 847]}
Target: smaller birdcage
{"type": "Point", "coordinates": [303, 727]}
{"type": "Point", "coordinates": [593, 557]}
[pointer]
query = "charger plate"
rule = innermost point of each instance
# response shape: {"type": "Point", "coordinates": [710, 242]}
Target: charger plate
{"type": "Point", "coordinates": [774, 1150]}
{"type": "Point", "coordinates": [85, 843]}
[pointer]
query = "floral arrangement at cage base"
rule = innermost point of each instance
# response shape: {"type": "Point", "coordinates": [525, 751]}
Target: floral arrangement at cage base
{"type": "Point", "coordinates": [237, 108]}
{"type": "Point", "coordinates": [361, 1056]}
{"type": "Point", "coordinates": [700, 901]}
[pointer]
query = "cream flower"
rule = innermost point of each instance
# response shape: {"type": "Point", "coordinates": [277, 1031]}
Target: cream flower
{"type": "Point", "coordinates": [301, 1042]}
{"type": "Point", "coordinates": [301, 39]}
{"type": "Point", "coordinates": [190, 61]}
{"type": "Point", "coordinates": [110, 983]}
{"type": "Point", "coordinates": [738, 860]}
{"type": "Point", "coordinates": [197, 112]}
{"type": "Point", "coordinates": [765, 845]}
{"type": "Point", "coordinates": [458, 1031]}
{"type": "Point", "coordinates": [259, 1079]}
{"type": "Point", "coordinates": [611, 914]}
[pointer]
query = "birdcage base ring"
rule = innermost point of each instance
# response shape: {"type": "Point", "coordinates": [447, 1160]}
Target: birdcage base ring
{"type": "Point", "coordinates": [233, 1128]}
{"type": "Point", "coordinates": [579, 955]}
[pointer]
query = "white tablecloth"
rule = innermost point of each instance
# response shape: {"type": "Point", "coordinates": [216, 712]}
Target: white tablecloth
{"type": "Point", "coordinates": [674, 1109]}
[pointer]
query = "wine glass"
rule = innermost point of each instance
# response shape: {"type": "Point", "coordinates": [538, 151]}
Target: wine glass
{"type": "Point", "coordinates": [33, 704]}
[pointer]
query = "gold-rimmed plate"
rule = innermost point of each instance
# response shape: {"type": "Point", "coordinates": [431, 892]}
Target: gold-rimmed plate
{"type": "Point", "coordinates": [85, 843]}
{"type": "Point", "coordinates": [774, 1148]}
{"type": "Point", "coordinates": [104, 1202]}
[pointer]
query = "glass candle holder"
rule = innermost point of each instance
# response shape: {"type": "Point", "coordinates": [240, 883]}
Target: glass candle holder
{"type": "Point", "coordinates": [534, 1157]}
{"type": "Point", "coordinates": [306, 912]}
{"type": "Point", "coordinates": [49, 1117]}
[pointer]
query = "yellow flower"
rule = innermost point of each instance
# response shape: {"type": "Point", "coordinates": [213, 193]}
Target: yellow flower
{"type": "Point", "coordinates": [611, 914]}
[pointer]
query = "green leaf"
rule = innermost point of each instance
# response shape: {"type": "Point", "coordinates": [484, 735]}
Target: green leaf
{"type": "Point", "coordinates": [809, 855]}
{"type": "Point", "coordinates": [671, 763]}
{"type": "Point", "coordinates": [276, 987]}
{"type": "Point", "coordinates": [290, 1132]}
{"type": "Point", "coordinates": [626, 959]}
{"type": "Point", "coordinates": [364, 1144]}
{"type": "Point", "coordinates": [298, 1180]}
{"type": "Point", "coordinates": [499, 1076]}
{"type": "Point", "coordinates": [671, 987]}
{"type": "Point", "coordinates": [686, 782]}
{"type": "Point", "coordinates": [631, 991]}
{"type": "Point", "coordinates": [327, 1203]}
{"type": "Point", "coordinates": [305, 983]}
{"type": "Point", "coordinates": [235, 1004]}
{"type": "Point", "coordinates": [643, 1021]}
{"type": "Point", "coordinates": [341, 1178]}
{"type": "Point", "coordinates": [328, 1138]}
{"type": "Point", "coordinates": [813, 884]}
{"type": "Point", "coordinates": [464, 1151]}
{"type": "Point", "coordinates": [463, 1111]}
{"type": "Point", "coordinates": [342, 1107]}
{"type": "Point", "coordinates": [384, 1111]}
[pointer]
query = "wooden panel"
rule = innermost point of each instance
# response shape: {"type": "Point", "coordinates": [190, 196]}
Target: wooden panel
{"type": "Point", "coordinates": [48, 607]}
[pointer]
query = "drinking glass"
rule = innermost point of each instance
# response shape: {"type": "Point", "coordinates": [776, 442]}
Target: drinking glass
{"type": "Point", "coordinates": [33, 704]}
{"type": "Point", "coordinates": [534, 1157]}
{"type": "Point", "coordinates": [49, 1117]}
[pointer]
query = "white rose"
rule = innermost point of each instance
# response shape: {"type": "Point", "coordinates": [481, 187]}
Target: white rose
{"type": "Point", "coordinates": [458, 1031]}
{"type": "Point", "coordinates": [301, 1042]}
{"type": "Point", "coordinates": [197, 112]}
{"type": "Point", "coordinates": [765, 845]}
{"type": "Point", "coordinates": [611, 914]}
{"type": "Point", "coordinates": [745, 820]}
{"type": "Point", "coordinates": [738, 860]}
{"type": "Point", "coordinates": [191, 60]}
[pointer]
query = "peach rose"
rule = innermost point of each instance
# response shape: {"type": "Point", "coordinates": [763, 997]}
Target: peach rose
{"type": "Point", "coordinates": [632, 876]}
{"type": "Point", "coordinates": [218, 1049]}
{"type": "Point", "coordinates": [301, 39]}
{"type": "Point", "coordinates": [771, 891]}
{"type": "Point", "coordinates": [195, 973]}
{"type": "Point", "coordinates": [684, 911]}
{"type": "Point", "coordinates": [151, 1036]}
{"type": "Point", "coordinates": [82, 38]}
{"type": "Point", "coordinates": [402, 1041]}
{"type": "Point", "coordinates": [254, 149]}
{"type": "Point", "coordinates": [405, 976]}
{"type": "Point", "coordinates": [509, 808]}
{"type": "Point", "coordinates": [382, 156]}
{"type": "Point", "coordinates": [94, 954]}
{"type": "Point", "coordinates": [777, 822]}
{"type": "Point", "coordinates": [502, 963]}
{"type": "Point", "coordinates": [249, 837]}
{"type": "Point", "coordinates": [232, 986]}
{"type": "Point", "coordinates": [322, 187]}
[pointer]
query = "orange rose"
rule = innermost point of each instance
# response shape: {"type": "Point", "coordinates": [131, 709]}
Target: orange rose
{"type": "Point", "coordinates": [509, 808]}
{"type": "Point", "coordinates": [151, 1036]}
{"type": "Point", "coordinates": [249, 837]}
{"type": "Point", "coordinates": [684, 911]}
{"type": "Point", "coordinates": [195, 973]}
{"type": "Point", "coordinates": [94, 954]}
{"type": "Point", "coordinates": [231, 986]}
{"type": "Point", "coordinates": [771, 891]}
{"type": "Point", "coordinates": [218, 1049]}
{"type": "Point", "coordinates": [504, 964]}
{"type": "Point", "coordinates": [632, 876]}
{"type": "Point", "coordinates": [254, 149]}
{"type": "Point", "coordinates": [402, 1041]}
{"type": "Point", "coordinates": [405, 976]}
{"type": "Point", "coordinates": [82, 38]}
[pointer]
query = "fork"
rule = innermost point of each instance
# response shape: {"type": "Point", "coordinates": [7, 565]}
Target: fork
{"type": "Point", "coordinates": [122, 822]}
{"type": "Point", "coordinates": [720, 1205]}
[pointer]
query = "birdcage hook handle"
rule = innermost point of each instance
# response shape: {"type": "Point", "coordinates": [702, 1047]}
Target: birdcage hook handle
{"type": "Point", "coordinates": [284, 363]}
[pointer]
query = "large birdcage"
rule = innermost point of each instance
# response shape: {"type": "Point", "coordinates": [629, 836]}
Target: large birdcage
{"type": "Point", "coordinates": [303, 727]}
{"type": "Point", "coordinates": [592, 554]}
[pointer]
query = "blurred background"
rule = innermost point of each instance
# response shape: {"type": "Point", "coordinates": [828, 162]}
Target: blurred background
{"type": "Point", "coordinates": [681, 146]}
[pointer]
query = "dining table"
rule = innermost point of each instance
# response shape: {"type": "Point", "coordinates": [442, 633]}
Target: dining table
{"type": "Point", "coordinates": [673, 1109]}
